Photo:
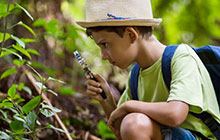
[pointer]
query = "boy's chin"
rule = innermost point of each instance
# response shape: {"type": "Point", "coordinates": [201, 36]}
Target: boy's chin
{"type": "Point", "coordinates": [121, 67]}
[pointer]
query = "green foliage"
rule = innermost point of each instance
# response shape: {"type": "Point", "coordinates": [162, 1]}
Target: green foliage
{"type": "Point", "coordinates": [187, 21]}
{"type": "Point", "coordinates": [8, 72]}
{"type": "Point", "coordinates": [31, 104]}
{"type": "Point", "coordinates": [12, 91]}
{"type": "Point", "coordinates": [17, 126]}
{"type": "Point", "coordinates": [104, 131]}
{"type": "Point", "coordinates": [27, 13]}
{"type": "Point", "coordinates": [22, 118]}
{"type": "Point", "coordinates": [66, 91]}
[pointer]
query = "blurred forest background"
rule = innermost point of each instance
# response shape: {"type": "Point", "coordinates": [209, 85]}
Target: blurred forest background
{"type": "Point", "coordinates": [45, 34]}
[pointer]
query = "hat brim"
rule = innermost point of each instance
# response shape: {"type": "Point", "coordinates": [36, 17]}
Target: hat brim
{"type": "Point", "coordinates": [127, 22]}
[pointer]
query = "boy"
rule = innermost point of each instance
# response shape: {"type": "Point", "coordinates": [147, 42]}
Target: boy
{"type": "Point", "coordinates": [124, 37]}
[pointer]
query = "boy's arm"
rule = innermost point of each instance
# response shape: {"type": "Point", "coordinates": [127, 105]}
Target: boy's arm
{"type": "Point", "coordinates": [95, 88]}
{"type": "Point", "coordinates": [171, 113]}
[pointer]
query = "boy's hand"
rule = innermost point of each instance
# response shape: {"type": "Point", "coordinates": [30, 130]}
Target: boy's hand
{"type": "Point", "coordinates": [94, 88]}
{"type": "Point", "coordinates": [117, 115]}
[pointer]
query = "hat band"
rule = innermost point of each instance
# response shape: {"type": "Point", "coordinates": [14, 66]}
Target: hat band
{"type": "Point", "coordinates": [112, 17]}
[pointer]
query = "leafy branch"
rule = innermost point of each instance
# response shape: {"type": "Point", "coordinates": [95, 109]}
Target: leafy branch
{"type": "Point", "coordinates": [5, 27]}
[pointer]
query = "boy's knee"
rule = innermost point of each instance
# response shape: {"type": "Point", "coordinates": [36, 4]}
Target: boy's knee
{"type": "Point", "coordinates": [137, 125]}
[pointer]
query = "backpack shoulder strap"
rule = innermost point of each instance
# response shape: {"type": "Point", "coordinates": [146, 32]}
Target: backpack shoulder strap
{"type": "Point", "coordinates": [166, 63]}
{"type": "Point", "coordinates": [166, 70]}
{"type": "Point", "coordinates": [134, 81]}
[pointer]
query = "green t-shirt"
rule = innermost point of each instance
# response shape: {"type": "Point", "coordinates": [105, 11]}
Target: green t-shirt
{"type": "Point", "coordinates": [190, 83]}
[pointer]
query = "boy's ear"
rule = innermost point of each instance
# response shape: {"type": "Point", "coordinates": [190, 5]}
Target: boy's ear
{"type": "Point", "coordinates": [132, 34]}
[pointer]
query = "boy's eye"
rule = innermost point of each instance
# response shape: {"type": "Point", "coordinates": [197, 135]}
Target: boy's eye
{"type": "Point", "coordinates": [105, 45]}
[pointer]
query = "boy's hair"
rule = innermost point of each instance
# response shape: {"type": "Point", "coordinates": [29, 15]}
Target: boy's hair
{"type": "Point", "coordinates": [145, 31]}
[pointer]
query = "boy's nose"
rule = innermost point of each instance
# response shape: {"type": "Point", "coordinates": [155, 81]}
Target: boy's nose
{"type": "Point", "coordinates": [104, 55]}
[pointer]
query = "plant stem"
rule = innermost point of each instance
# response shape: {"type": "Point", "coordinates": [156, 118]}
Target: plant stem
{"type": "Point", "coordinates": [5, 28]}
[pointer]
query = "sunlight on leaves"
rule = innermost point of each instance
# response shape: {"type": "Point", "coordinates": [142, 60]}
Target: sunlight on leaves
{"type": "Point", "coordinates": [40, 86]}
{"type": "Point", "coordinates": [27, 13]}
{"type": "Point", "coordinates": [53, 92]}
{"type": "Point", "coordinates": [4, 135]}
{"type": "Point", "coordinates": [18, 40]}
{"type": "Point", "coordinates": [53, 79]}
{"type": "Point", "coordinates": [23, 51]}
{"type": "Point", "coordinates": [7, 51]}
{"type": "Point", "coordinates": [58, 129]}
{"type": "Point", "coordinates": [27, 27]}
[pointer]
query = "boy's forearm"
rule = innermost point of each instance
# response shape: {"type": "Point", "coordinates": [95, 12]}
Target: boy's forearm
{"type": "Point", "coordinates": [108, 106]}
{"type": "Point", "coordinates": [171, 114]}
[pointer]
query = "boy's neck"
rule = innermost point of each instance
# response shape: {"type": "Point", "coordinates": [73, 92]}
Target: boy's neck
{"type": "Point", "coordinates": [149, 51]}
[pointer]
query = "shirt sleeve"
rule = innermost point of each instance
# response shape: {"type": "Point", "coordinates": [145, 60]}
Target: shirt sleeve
{"type": "Point", "coordinates": [186, 80]}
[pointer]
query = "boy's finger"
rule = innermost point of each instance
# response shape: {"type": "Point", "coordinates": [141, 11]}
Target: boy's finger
{"type": "Point", "coordinates": [91, 93]}
{"type": "Point", "coordinates": [99, 78]}
{"type": "Point", "coordinates": [93, 83]}
{"type": "Point", "coordinates": [87, 76]}
{"type": "Point", "coordinates": [94, 89]}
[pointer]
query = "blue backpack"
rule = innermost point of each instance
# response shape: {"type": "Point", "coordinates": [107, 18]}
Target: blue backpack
{"type": "Point", "coordinates": [210, 56]}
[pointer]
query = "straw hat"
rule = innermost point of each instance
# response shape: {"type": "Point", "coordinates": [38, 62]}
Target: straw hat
{"type": "Point", "coordinates": [119, 13]}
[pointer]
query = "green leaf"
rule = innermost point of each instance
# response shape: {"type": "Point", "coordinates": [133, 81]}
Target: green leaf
{"type": "Point", "coordinates": [18, 62]}
{"type": "Point", "coordinates": [20, 86]}
{"type": "Point", "coordinates": [48, 70]}
{"type": "Point", "coordinates": [41, 78]}
{"type": "Point", "coordinates": [20, 100]}
{"type": "Point", "coordinates": [52, 27]}
{"type": "Point", "coordinates": [51, 108]}
{"type": "Point", "coordinates": [27, 89]}
{"type": "Point", "coordinates": [16, 126]}
{"type": "Point", "coordinates": [27, 13]}
{"type": "Point", "coordinates": [58, 129]}
{"type": "Point", "coordinates": [31, 104]}
{"type": "Point", "coordinates": [4, 136]}
{"type": "Point", "coordinates": [12, 91]}
{"type": "Point", "coordinates": [53, 79]}
{"type": "Point", "coordinates": [23, 51]}
{"type": "Point", "coordinates": [6, 105]}
{"type": "Point", "coordinates": [18, 40]}
{"type": "Point", "coordinates": [8, 72]}
{"type": "Point", "coordinates": [13, 110]}
{"type": "Point", "coordinates": [27, 27]}
{"type": "Point", "coordinates": [28, 40]}
{"type": "Point", "coordinates": [6, 51]}
{"type": "Point", "coordinates": [105, 131]}
{"type": "Point", "coordinates": [46, 112]}
{"type": "Point", "coordinates": [33, 51]}
{"type": "Point", "coordinates": [53, 92]}
{"type": "Point", "coordinates": [39, 22]}
{"type": "Point", "coordinates": [4, 6]}
{"type": "Point", "coordinates": [66, 91]}
{"type": "Point", "coordinates": [7, 36]}
{"type": "Point", "coordinates": [40, 85]}
{"type": "Point", "coordinates": [4, 116]}
{"type": "Point", "coordinates": [72, 135]}
{"type": "Point", "coordinates": [17, 117]}
{"type": "Point", "coordinates": [31, 119]}
{"type": "Point", "coordinates": [3, 113]}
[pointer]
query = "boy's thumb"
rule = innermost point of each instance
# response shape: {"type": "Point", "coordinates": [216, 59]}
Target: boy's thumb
{"type": "Point", "coordinates": [98, 77]}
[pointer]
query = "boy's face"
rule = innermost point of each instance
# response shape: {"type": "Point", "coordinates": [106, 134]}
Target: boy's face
{"type": "Point", "coordinates": [119, 51]}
